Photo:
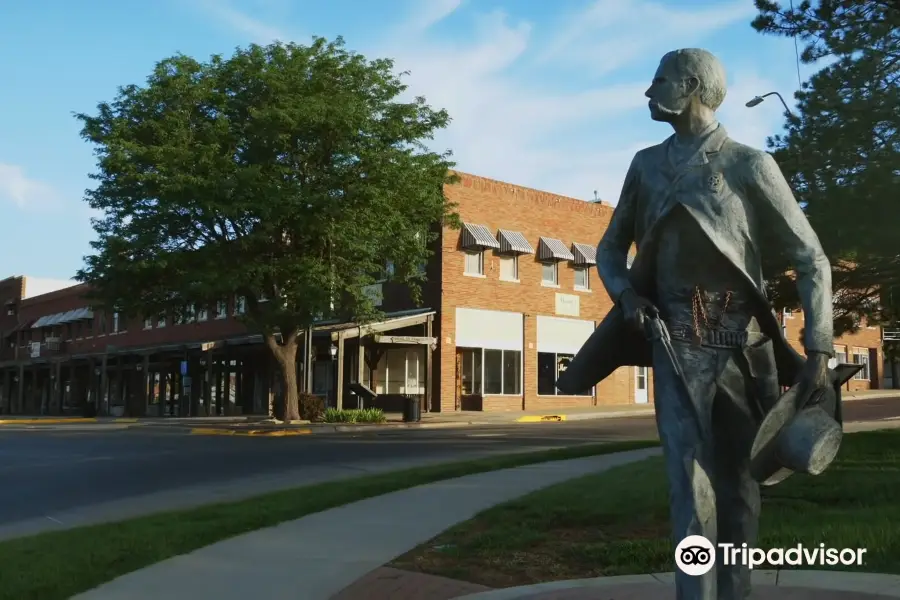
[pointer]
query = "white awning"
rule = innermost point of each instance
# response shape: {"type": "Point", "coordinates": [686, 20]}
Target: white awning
{"type": "Point", "coordinates": [513, 242]}
{"type": "Point", "coordinates": [477, 237]}
{"type": "Point", "coordinates": [584, 254]}
{"type": "Point", "coordinates": [552, 249]}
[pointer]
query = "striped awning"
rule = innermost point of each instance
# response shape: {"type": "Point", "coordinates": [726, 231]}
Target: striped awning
{"type": "Point", "coordinates": [513, 242]}
{"type": "Point", "coordinates": [552, 249]}
{"type": "Point", "coordinates": [477, 236]}
{"type": "Point", "coordinates": [584, 254]}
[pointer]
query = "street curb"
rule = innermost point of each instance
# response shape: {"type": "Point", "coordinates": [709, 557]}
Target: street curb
{"type": "Point", "coordinates": [541, 418]}
{"type": "Point", "coordinates": [73, 420]}
{"type": "Point", "coordinates": [250, 432]}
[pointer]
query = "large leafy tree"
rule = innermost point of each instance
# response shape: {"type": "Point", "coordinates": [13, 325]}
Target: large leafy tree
{"type": "Point", "coordinates": [841, 150]}
{"type": "Point", "coordinates": [285, 174]}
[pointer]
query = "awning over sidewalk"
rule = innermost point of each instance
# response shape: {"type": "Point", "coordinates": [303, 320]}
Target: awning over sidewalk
{"type": "Point", "coordinates": [391, 321]}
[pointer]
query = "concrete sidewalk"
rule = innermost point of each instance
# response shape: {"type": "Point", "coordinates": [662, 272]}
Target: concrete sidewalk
{"type": "Point", "coordinates": [317, 556]}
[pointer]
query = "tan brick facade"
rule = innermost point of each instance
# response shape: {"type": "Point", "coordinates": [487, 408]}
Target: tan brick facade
{"type": "Point", "coordinates": [866, 340]}
{"type": "Point", "coordinates": [533, 213]}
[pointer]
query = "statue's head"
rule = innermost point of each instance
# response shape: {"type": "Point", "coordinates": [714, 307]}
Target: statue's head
{"type": "Point", "coordinates": [685, 78]}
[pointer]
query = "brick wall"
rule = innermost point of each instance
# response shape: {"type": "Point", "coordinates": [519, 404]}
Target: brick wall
{"type": "Point", "coordinates": [499, 205]}
{"type": "Point", "coordinates": [865, 337]}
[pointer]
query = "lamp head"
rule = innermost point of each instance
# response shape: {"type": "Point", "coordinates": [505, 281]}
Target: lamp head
{"type": "Point", "coordinates": [756, 101]}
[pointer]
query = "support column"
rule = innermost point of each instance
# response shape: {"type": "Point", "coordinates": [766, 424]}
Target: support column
{"type": "Point", "coordinates": [103, 392]}
{"type": "Point", "coordinates": [361, 369]}
{"type": "Point", "coordinates": [91, 391]}
{"type": "Point", "coordinates": [120, 399]}
{"type": "Point", "coordinates": [5, 396]}
{"type": "Point", "coordinates": [429, 363]}
{"type": "Point", "coordinates": [308, 342]}
{"type": "Point", "coordinates": [209, 379]}
{"type": "Point", "coordinates": [339, 388]}
{"type": "Point", "coordinates": [59, 390]}
{"type": "Point", "coordinates": [144, 394]}
{"type": "Point", "coordinates": [20, 390]}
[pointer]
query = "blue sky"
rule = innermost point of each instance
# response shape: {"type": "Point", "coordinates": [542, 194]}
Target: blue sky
{"type": "Point", "coordinates": [542, 94]}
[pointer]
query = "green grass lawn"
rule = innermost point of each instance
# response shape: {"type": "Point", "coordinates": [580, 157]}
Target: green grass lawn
{"type": "Point", "coordinates": [58, 565]}
{"type": "Point", "coordinates": [617, 522]}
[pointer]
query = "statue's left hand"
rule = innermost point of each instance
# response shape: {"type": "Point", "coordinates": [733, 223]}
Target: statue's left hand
{"type": "Point", "coordinates": [813, 378]}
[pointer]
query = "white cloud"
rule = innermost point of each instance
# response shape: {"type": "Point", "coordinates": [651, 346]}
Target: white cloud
{"type": "Point", "coordinates": [255, 29]}
{"type": "Point", "coordinates": [24, 192]}
{"type": "Point", "coordinates": [508, 123]}
{"type": "Point", "coordinates": [612, 33]}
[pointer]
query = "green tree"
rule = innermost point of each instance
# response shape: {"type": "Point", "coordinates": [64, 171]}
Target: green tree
{"type": "Point", "coordinates": [841, 150]}
{"type": "Point", "coordinates": [286, 174]}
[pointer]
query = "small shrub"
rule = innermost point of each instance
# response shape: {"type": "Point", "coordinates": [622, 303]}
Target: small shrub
{"type": "Point", "coordinates": [312, 407]}
{"type": "Point", "coordinates": [371, 415]}
{"type": "Point", "coordinates": [336, 415]}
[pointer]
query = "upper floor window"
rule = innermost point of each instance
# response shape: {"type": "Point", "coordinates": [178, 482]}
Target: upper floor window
{"type": "Point", "coordinates": [202, 313]}
{"type": "Point", "coordinates": [550, 273]}
{"type": "Point", "coordinates": [161, 320]}
{"type": "Point", "coordinates": [115, 322]}
{"type": "Point", "coordinates": [148, 322]}
{"type": "Point", "coordinates": [240, 305]}
{"type": "Point", "coordinates": [221, 309]}
{"type": "Point", "coordinates": [474, 263]}
{"type": "Point", "coordinates": [389, 268]}
{"type": "Point", "coordinates": [509, 268]}
{"type": "Point", "coordinates": [788, 313]}
{"type": "Point", "coordinates": [582, 278]}
{"type": "Point", "coordinates": [860, 356]}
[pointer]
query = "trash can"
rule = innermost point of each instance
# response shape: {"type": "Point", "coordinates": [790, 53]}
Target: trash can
{"type": "Point", "coordinates": [412, 410]}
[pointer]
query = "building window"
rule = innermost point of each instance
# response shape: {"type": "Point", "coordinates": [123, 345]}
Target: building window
{"type": "Point", "coordinates": [509, 268]}
{"type": "Point", "coordinates": [221, 309]}
{"type": "Point", "coordinates": [788, 313]}
{"type": "Point", "coordinates": [861, 357]}
{"type": "Point", "coordinates": [148, 322]}
{"type": "Point", "coordinates": [550, 273]}
{"type": "Point", "coordinates": [240, 305]}
{"type": "Point", "coordinates": [582, 279]}
{"type": "Point", "coordinates": [161, 320]}
{"type": "Point", "coordinates": [389, 269]}
{"type": "Point", "coordinates": [550, 366]}
{"type": "Point", "coordinates": [202, 313]}
{"type": "Point", "coordinates": [470, 371]}
{"type": "Point", "coordinates": [401, 371]}
{"type": "Point", "coordinates": [474, 263]}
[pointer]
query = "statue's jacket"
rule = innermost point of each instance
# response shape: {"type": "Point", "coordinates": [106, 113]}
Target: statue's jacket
{"type": "Point", "coordinates": [741, 201]}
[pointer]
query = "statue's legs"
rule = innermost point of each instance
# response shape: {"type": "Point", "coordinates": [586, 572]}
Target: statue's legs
{"type": "Point", "coordinates": [706, 438]}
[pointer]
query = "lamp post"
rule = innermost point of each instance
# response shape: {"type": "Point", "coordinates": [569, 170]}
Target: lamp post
{"type": "Point", "coordinates": [757, 100]}
{"type": "Point", "coordinates": [333, 350]}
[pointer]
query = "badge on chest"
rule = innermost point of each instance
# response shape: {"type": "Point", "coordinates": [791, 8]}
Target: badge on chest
{"type": "Point", "coordinates": [715, 182]}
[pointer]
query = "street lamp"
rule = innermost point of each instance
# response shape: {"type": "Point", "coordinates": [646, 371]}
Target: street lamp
{"type": "Point", "coordinates": [757, 100]}
{"type": "Point", "coordinates": [333, 351]}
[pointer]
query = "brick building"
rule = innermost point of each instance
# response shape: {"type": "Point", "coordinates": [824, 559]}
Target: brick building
{"type": "Point", "coordinates": [509, 298]}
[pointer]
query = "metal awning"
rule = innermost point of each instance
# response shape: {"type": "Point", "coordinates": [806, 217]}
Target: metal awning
{"type": "Point", "coordinates": [584, 254]}
{"type": "Point", "coordinates": [54, 319]}
{"type": "Point", "coordinates": [552, 249]}
{"type": "Point", "coordinates": [67, 317]}
{"type": "Point", "coordinates": [391, 321]}
{"type": "Point", "coordinates": [513, 242]}
{"type": "Point", "coordinates": [40, 322]}
{"type": "Point", "coordinates": [82, 314]}
{"type": "Point", "coordinates": [477, 237]}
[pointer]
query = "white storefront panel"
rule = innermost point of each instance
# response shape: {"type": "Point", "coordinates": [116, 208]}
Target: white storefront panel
{"type": "Point", "coordinates": [491, 329]}
{"type": "Point", "coordinates": [562, 336]}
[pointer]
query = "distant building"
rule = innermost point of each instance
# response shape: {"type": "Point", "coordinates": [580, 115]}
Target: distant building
{"type": "Point", "coordinates": [509, 299]}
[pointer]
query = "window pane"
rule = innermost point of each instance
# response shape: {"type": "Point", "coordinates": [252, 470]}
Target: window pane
{"type": "Point", "coordinates": [396, 371]}
{"type": "Point", "coordinates": [512, 372]}
{"type": "Point", "coordinates": [546, 374]}
{"type": "Point", "coordinates": [471, 371]}
{"type": "Point", "coordinates": [581, 278]}
{"type": "Point", "coordinates": [493, 371]}
{"type": "Point", "coordinates": [473, 263]}
{"type": "Point", "coordinates": [548, 272]}
{"type": "Point", "coordinates": [509, 268]}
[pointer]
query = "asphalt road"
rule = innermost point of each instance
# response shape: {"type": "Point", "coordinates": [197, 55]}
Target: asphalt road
{"type": "Point", "coordinates": [48, 472]}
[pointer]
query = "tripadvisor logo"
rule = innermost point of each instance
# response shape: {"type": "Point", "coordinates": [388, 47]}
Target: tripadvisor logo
{"type": "Point", "coordinates": [695, 555]}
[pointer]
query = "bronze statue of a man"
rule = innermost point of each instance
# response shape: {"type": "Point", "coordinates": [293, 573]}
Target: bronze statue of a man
{"type": "Point", "coordinates": [702, 210]}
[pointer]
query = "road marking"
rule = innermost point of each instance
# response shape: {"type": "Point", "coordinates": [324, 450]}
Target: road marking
{"type": "Point", "coordinates": [486, 435]}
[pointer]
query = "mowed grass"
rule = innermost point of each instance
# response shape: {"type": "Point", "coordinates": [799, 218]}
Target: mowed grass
{"type": "Point", "coordinates": [617, 522]}
{"type": "Point", "coordinates": [58, 565]}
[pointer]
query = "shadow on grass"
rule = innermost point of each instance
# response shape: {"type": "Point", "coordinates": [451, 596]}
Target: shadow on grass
{"type": "Point", "coordinates": [617, 522]}
{"type": "Point", "coordinates": [58, 565]}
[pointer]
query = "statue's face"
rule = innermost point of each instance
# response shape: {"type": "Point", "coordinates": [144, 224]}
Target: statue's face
{"type": "Point", "coordinates": [668, 95]}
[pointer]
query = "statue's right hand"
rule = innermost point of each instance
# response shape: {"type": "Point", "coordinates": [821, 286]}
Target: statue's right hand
{"type": "Point", "coordinates": [636, 310]}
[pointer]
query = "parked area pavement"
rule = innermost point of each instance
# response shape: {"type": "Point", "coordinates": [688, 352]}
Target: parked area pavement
{"type": "Point", "coordinates": [774, 585]}
{"type": "Point", "coordinates": [321, 554]}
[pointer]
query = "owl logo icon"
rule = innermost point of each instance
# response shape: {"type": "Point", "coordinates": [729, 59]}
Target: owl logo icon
{"type": "Point", "coordinates": [715, 182]}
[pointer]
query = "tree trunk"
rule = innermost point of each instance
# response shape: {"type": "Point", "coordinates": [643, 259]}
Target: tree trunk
{"type": "Point", "coordinates": [286, 356]}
